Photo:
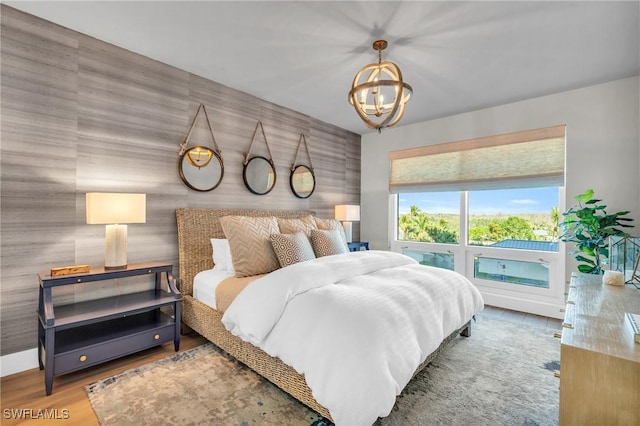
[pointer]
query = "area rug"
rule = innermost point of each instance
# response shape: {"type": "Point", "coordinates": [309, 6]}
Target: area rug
{"type": "Point", "coordinates": [501, 375]}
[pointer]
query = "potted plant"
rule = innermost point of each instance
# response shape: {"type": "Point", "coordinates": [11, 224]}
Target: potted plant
{"type": "Point", "coordinates": [589, 226]}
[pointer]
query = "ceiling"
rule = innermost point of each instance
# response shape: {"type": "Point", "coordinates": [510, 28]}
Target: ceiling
{"type": "Point", "coordinates": [457, 56]}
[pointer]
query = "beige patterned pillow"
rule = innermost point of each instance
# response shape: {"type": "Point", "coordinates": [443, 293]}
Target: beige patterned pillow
{"type": "Point", "coordinates": [291, 226]}
{"type": "Point", "coordinates": [251, 250]}
{"type": "Point", "coordinates": [292, 248]}
{"type": "Point", "coordinates": [328, 224]}
{"type": "Point", "coordinates": [327, 243]}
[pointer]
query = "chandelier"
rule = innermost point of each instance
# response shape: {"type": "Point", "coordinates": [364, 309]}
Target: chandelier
{"type": "Point", "coordinates": [378, 92]}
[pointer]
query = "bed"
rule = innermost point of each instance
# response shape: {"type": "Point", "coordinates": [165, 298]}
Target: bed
{"type": "Point", "coordinates": [196, 228]}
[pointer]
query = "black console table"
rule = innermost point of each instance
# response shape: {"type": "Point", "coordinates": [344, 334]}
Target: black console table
{"type": "Point", "coordinates": [75, 336]}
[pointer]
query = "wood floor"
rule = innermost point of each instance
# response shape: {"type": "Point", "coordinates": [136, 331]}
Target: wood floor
{"type": "Point", "coordinates": [25, 390]}
{"type": "Point", "coordinates": [23, 395]}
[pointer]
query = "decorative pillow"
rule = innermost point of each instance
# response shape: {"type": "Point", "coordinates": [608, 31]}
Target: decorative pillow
{"type": "Point", "coordinates": [221, 255]}
{"type": "Point", "coordinates": [328, 224]}
{"type": "Point", "coordinates": [327, 243]}
{"type": "Point", "coordinates": [292, 248]}
{"type": "Point", "coordinates": [291, 226]}
{"type": "Point", "coordinates": [251, 250]}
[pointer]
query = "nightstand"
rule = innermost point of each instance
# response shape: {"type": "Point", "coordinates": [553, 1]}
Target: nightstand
{"type": "Point", "coordinates": [78, 335]}
{"type": "Point", "coordinates": [358, 245]}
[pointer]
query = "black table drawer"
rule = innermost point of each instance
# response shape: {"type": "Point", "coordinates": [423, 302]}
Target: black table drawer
{"type": "Point", "coordinates": [91, 355]}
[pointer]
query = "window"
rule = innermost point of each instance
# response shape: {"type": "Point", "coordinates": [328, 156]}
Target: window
{"type": "Point", "coordinates": [429, 217]}
{"type": "Point", "coordinates": [439, 260]}
{"type": "Point", "coordinates": [520, 272]}
{"type": "Point", "coordinates": [519, 219]}
{"type": "Point", "coordinates": [489, 209]}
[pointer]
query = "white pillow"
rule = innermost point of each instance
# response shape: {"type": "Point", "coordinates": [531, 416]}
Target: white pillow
{"type": "Point", "coordinates": [222, 255]}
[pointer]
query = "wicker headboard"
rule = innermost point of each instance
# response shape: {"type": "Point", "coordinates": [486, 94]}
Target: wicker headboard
{"type": "Point", "coordinates": [196, 227]}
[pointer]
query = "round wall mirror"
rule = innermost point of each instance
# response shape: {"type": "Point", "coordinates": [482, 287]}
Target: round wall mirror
{"type": "Point", "coordinates": [302, 181]}
{"type": "Point", "coordinates": [259, 175]}
{"type": "Point", "coordinates": [201, 168]}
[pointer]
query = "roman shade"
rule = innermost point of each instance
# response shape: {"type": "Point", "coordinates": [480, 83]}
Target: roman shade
{"type": "Point", "coordinates": [531, 158]}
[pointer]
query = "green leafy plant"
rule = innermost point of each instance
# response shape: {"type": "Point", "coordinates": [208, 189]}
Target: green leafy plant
{"type": "Point", "coordinates": [589, 226]}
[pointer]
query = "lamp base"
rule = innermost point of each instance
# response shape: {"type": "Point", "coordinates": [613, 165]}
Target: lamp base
{"type": "Point", "coordinates": [348, 231]}
{"type": "Point", "coordinates": [112, 268]}
{"type": "Point", "coordinates": [116, 247]}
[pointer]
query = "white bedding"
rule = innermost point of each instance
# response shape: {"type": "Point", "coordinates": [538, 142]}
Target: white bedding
{"type": "Point", "coordinates": [205, 283]}
{"type": "Point", "coordinates": [356, 325]}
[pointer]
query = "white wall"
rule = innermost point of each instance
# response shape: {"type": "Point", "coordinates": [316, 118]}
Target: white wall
{"type": "Point", "coordinates": [603, 148]}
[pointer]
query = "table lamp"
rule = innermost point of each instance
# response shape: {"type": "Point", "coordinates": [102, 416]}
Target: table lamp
{"type": "Point", "coordinates": [347, 214]}
{"type": "Point", "coordinates": [115, 210]}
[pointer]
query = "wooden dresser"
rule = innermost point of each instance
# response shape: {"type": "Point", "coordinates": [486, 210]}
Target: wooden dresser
{"type": "Point", "coordinates": [599, 361]}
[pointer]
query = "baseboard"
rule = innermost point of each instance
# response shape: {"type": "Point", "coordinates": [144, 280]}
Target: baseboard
{"type": "Point", "coordinates": [545, 309]}
{"type": "Point", "coordinates": [18, 362]}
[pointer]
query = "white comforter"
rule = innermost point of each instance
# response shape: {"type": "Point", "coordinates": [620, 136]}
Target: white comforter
{"type": "Point", "coordinates": [356, 325]}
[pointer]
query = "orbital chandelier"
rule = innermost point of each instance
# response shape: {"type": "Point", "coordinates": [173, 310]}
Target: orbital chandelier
{"type": "Point", "coordinates": [378, 92]}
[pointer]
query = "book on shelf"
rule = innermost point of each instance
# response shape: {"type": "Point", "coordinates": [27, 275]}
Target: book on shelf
{"type": "Point", "coordinates": [632, 322]}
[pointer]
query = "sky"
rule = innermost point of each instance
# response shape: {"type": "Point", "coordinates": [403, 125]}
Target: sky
{"type": "Point", "coordinates": [503, 201]}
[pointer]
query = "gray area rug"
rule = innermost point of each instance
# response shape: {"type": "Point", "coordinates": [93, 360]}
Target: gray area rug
{"type": "Point", "coordinates": [501, 375]}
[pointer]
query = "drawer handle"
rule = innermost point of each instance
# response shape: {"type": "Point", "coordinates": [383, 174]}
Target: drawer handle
{"type": "Point", "coordinates": [556, 374]}
{"type": "Point", "coordinates": [156, 337]}
{"type": "Point", "coordinates": [557, 335]}
{"type": "Point", "coordinates": [570, 302]}
{"type": "Point", "coordinates": [567, 325]}
{"type": "Point", "coordinates": [83, 358]}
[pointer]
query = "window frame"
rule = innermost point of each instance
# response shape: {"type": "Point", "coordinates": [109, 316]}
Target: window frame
{"type": "Point", "coordinates": [535, 300]}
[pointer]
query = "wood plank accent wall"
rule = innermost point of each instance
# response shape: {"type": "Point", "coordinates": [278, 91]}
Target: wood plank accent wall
{"type": "Point", "coordinates": [80, 115]}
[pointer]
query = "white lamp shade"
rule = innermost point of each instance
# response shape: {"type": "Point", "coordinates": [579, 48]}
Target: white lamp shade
{"type": "Point", "coordinates": [110, 208]}
{"type": "Point", "coordinates": [347, 213]}
{"type": "Point", "coordinates": [115, 210]}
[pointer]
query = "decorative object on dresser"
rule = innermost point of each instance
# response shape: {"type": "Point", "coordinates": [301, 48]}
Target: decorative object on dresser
{"type": "Point", "coordinates": [379, 91]}
{"type": "Point", "coordinates": [599, 363]}
{"type": "Point", "coordinates": [196, 166]}
{"type": "Point", "coordinates": [347, 214]}
{"type": "Point", "coordinates": [67, 270]}
{"type": "Point", "coordinates": [589, 226]}
{"type": "Point", "coordinates": [624, 256]}
{"type": "Point", "coordinates": [115, 210]}
{"type": "Point", "coordinates": [303, 179]}
{"type": "Point", "coordinates": [632, 321]}
{"type": "Point", "coordinates": [259, 173]}
{"type": "Point", "coordinates": [78, 335]}
{"type": "Point", "coordinates": [613, 278]}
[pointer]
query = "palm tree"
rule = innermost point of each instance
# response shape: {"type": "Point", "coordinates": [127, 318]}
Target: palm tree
{"type": "Point", "coordinates": [408, 223]}
{"type": "Point", "coordinates": [555, 221]}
